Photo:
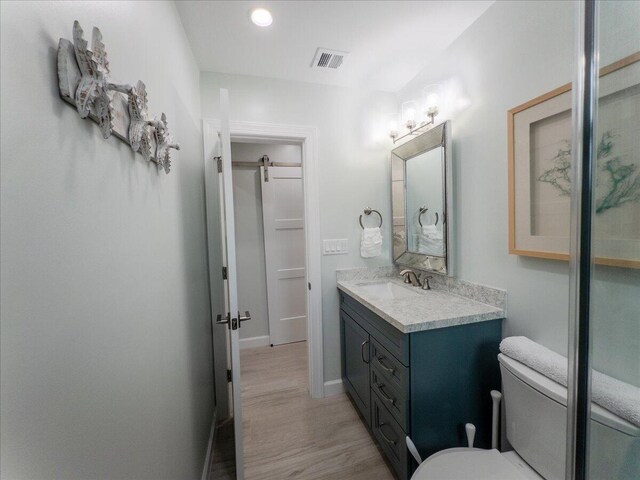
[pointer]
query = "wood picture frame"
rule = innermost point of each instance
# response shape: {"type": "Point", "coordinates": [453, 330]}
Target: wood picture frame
{"type": "Point", "coordinates": [554, 107]}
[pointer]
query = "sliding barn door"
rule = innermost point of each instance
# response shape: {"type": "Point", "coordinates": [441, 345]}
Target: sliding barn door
{"type": "Point", "coordinates": [283, 215]}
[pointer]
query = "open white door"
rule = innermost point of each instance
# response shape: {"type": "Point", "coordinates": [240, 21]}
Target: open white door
{"type": "Point", "coordinates": [231, 319]}
{"type": "Point", "coordinates": [284, 240]}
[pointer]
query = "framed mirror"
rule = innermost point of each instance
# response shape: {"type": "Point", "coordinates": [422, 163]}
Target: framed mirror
{"type": "Point", "coordinates": [421, 187]}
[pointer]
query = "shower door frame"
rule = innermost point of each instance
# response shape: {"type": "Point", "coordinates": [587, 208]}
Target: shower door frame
{"type": "Point", "coordinates": [585, 110]}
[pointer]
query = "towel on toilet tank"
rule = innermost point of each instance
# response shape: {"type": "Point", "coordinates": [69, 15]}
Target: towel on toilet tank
{"type": "Point", "coordinates": [614, 395]}
{"type": "Point", "coordinates": [371, 242]}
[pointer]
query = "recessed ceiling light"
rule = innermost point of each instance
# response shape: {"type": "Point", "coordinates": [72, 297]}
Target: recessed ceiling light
{"type": "Point", "coordinates": [261, 17]}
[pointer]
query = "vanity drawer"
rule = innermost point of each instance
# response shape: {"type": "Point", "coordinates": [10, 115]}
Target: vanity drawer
{"type": "Point", "coordinates": [387, 335]}
{"type": "Point", "coordinates": [393, 398]}
{"type": "Point", "coordinates": [390, 436]}
{"type": "Point", "coordinates": [389, 367]}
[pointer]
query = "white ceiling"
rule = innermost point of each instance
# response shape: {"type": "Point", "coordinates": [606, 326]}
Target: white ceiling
{"type": "Point", "coordinates": [389, 41]}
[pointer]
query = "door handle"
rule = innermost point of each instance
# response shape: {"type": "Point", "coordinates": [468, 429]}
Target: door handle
{"type": "Point", "coordinates": [362, 351]}
{"type": "Point", "coordinates": [247, 316]}
{"type": "Point", "coordinates": [219, 320]}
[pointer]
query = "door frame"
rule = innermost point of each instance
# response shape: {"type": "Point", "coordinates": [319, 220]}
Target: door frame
{"type": "Point", "coordinates": [305, 136]}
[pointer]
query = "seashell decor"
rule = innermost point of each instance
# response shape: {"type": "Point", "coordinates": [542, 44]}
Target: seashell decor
{"type": "Point", "coordinates": [120, 109]}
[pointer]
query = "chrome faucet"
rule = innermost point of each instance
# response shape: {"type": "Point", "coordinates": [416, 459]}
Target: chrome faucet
{"type": "Point", "coordinates": [417, 281]}
{"type": "Point", "coordinates": [425, 281]}
{"type": "Point", "coordinates": [410, 277]}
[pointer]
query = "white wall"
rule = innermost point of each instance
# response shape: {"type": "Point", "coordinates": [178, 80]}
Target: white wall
{"type": "Point", "coordinates": [353, 150]}
{"type": "Point", "coordinates": [514, 52]}
{"type": "Point", "coordinates": [247, 201]}
{"type": "Point", "coordinates": [105, 335]}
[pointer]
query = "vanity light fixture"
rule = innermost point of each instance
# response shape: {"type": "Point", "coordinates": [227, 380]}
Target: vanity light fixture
{"type": "Point", "coordinates": [432, 107]}
{"type": "Point", "coordinates": [261, 17]}
{"type": "Point", "coordinates": [393, 126]}
{"type": "Point", "coordinates": [409, 114]}
{"type": "Point", "coordinates": [408, 110]}
{"type": "Point", "coordinates": [411, 118]}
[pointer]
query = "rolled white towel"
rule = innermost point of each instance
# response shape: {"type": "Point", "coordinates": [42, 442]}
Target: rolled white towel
{"type": "Point", "coordinates": [371, 242]}
{"type": "Point", "coordinates": [541, 359]}
{"type": "Point", "coordinates": [612, 394]}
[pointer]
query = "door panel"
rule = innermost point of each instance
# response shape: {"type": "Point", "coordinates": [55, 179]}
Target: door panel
{"type": "Point", "coordinates": [283, 215]}
{"type": "Point", "coordinates": [217, 288]}
{"type": "Point", "coordinates": [227, 460]}
{"type": "Point", "coordinates": [232, 279]}
{"type": "Point", "coordinates": [356, 367]}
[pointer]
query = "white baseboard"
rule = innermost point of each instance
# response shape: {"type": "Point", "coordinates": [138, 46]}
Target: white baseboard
{"type": "Point", "coordinates": [333, 387]}
{"type": "Point", "coordinates": [206, 470]}
{"type": "Point", "coordinates": [254, 342]}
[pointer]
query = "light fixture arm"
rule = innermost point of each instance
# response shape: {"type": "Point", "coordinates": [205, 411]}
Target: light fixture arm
{"type": "Point", "coordinates": [416, 130]}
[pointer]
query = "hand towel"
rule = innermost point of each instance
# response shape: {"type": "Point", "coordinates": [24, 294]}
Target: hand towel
{"type": "Point", "coordinates": [429, 241]}
{"type": "Point", "coordinates": [610, 393]}
{"type": "Point", "coordinates": [431, 231]}
{"type": "Point", "coordinates": [371, 242]}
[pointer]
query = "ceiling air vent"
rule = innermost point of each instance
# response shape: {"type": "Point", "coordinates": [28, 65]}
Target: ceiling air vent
{"type": "Point", "coordinates": [325, 58]}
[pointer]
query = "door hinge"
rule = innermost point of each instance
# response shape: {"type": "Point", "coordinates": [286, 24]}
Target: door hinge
{"type": "Point", "coordinates": [309, 286]}
{"type": "Point", "coordinates": [225, 274]}
{"type": "Point", "coordinates": [229, 376]}
{"type": "Point", "coordinates": [265, 164]}
{"type": "Point", "coordinates": [219, 162]}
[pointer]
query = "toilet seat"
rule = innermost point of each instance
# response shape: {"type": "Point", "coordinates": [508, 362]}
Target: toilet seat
{"type": "Point", "coordinates": [468, 463]}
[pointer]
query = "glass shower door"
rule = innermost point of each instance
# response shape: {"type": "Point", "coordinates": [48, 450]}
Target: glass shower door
{"type": "Point", "coordinates": [613, 450]}
{"type": "Point", "coordinates": [604, 406]}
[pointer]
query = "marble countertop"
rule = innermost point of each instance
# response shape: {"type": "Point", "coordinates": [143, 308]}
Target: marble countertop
{"type": "Point", "coordinates": [424, 309]}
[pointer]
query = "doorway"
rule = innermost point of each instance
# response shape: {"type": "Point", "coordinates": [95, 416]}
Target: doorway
{"type": "Point", "coordinates": [270, 242]}
{"type": "Point", "coordinates": [221, 218]}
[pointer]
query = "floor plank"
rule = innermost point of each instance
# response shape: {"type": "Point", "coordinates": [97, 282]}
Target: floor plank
{"type": "Point", "coordinates": [289, 435]}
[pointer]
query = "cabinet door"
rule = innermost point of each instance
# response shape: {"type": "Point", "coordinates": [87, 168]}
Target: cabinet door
{"type": "Point", "coordinates": [356, 364]}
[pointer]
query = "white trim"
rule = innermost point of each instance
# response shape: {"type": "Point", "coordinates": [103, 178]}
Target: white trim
{"type": "Point", "coordinates": [253, 342]}
{"type": "Point", "coordinates": [307, 137]}
{"type": "Point", "coordinates": [208, 458]}
{"type": "Point", "coordinates": [333, 387]}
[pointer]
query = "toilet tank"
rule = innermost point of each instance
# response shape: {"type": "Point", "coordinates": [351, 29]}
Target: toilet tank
{"type": "Point", "coordinates": [536, 423]}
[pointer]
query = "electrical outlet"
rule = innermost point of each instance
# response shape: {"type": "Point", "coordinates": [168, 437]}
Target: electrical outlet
{"type": "Point", "coordinates": [336, 246]}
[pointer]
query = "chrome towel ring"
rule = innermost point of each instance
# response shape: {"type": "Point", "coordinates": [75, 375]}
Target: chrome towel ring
{"type": "Point", "coordinates": [369, 211]}
{"type": "Point", "coordinates": [424, 210]}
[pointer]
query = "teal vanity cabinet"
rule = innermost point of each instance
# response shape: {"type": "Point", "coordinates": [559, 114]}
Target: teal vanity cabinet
{"type": "Point", "coordinates": [426, 384]}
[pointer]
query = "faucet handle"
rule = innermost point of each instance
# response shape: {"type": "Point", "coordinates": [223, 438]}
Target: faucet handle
{"type": "Point", "coordinates": [407, 275]}
{"type": "Point", "coordinates": [425, 281]}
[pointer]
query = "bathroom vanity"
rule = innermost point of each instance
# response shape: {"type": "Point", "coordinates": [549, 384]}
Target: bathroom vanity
{"type": "Point", "coordinates": [419, 362]}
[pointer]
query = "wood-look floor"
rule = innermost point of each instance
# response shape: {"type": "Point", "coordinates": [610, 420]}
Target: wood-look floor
{"type": "Point", "coordinates": [289, 435]}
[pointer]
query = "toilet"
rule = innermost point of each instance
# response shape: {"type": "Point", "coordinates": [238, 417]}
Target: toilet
{"type": "Point", "coordinates": [536, 411]}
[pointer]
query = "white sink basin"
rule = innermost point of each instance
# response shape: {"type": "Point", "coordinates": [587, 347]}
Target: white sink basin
{"type": "Point", "coordinates": [386, 290]}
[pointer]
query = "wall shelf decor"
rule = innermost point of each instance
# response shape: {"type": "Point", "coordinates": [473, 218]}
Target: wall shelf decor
{"type": "Point", "coordinates": [84, 81]}
{"type": "Point", "coordinates": [539, 133]}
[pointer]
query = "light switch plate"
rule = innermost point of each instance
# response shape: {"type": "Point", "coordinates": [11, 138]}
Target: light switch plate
{"type": "Point", "coordinates": [335, 246]}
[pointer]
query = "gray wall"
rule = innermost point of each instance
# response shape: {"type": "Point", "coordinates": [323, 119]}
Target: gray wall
{"type": "Point", "coordinates": [247, 201]}
{"type": "Point", "coordinates": [514, 52]}
{"type": "Point", "coordinates": [353, 155]}
{"type": "Point", "coordinates": [105, 328]}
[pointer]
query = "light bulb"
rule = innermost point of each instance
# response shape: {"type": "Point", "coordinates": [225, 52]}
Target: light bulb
{"type": "Point", "coordinates": [261, 17]}
{"type": "Point", "coordinates": [432, 100]}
